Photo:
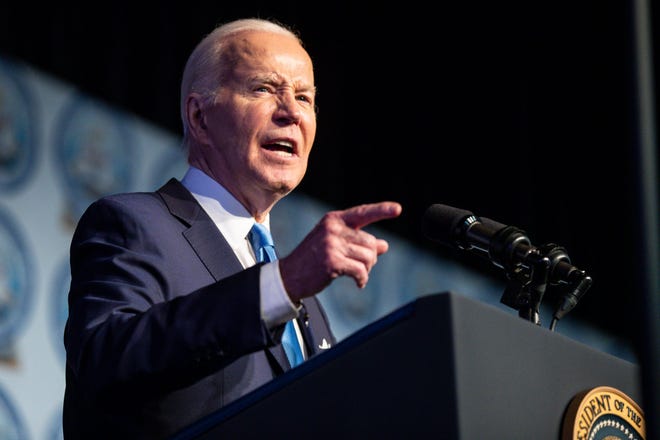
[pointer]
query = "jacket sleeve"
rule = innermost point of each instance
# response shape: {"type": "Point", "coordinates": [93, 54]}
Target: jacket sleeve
{"type": "Point", "coordinates": [144, 312]}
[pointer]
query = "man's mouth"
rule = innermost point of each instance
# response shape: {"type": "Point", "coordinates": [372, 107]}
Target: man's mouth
{"type": "Point", "coordinates": [280, 146]}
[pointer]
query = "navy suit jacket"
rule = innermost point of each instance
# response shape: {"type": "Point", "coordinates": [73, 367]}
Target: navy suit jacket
{"type": "Point", "coordinates": [164, 323]}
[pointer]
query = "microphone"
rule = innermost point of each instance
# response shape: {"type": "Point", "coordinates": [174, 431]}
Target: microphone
{"type": "Point", "coordinates": [505, 246]}
{"type": "Point", "coordinates": [509, 248]}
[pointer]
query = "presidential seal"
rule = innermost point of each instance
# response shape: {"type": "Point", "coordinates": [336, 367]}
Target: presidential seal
{"type": "Point", "coordinates": [603, 413]}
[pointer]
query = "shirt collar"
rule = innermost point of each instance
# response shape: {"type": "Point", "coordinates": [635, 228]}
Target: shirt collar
{"type": "Point", "coordinates": [233, 220]}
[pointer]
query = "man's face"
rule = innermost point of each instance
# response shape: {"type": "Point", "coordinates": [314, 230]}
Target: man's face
{"type": "Point", "coordinates": [262, 123]}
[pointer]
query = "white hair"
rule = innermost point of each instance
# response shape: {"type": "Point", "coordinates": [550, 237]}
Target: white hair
{"type": "Point", "coordinates": [202, 73]}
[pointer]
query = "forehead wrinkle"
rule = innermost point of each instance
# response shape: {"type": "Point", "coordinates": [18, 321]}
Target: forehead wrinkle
{"type": "Point", "coordinates": [239, 52]}
{"type": "Point", "coordinates": [279, 80]}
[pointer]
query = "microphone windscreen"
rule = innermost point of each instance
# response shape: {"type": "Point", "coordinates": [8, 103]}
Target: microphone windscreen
{"type": "Point", "coordinates": [492, 224]}
{"type": "Point", "coordinates": [440, 223]}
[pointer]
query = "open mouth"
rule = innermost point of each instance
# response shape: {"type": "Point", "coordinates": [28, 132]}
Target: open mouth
{"type": "Point", "coordinates": [280, 146]}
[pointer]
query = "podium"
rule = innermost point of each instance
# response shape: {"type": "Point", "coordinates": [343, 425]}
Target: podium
{"type": "Point", "coordinates": [443, 366]}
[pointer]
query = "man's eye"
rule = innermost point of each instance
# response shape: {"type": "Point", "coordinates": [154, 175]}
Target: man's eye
{"type": "Point", "coordinates": [304, 98]}
{"type": "Point", "coordinates": [262, 89]}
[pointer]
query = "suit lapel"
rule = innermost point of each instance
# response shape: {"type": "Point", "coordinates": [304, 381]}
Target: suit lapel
{"type": "Point", "coordinates": [220, 260]}
{"type": "Point", "coordinates": [211, 247]}
{"type": "Point", "coordinates": [278, 360]}
{"type": "Point", "coordinates": [202, 234]}
{"type": "Point", "coordinates": [315, 327]}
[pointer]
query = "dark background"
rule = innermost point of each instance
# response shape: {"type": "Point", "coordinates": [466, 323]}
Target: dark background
{"type": "Point", "coordinates": [518, 111]}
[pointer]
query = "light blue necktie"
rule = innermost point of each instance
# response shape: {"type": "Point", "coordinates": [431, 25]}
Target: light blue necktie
{"type": "Point", "coordinates": [264, 250]}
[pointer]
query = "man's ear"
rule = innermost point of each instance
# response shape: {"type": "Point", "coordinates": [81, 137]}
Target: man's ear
{"type": "Point", "coordinates": [196, 118]}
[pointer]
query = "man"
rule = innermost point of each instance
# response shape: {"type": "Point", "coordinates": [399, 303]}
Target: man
{"type": "Point", "coordinates": [170, 319]}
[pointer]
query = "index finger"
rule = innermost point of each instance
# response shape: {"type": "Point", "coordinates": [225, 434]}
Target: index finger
{"type": "Point", "coordinates": [363, 215]}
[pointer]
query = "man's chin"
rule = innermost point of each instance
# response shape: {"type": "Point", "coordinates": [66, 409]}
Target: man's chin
{"type": "Point", "coordinates": [283, 186]}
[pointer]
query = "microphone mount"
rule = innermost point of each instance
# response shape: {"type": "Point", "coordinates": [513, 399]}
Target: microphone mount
{"type": "Point", "coordinates": [540, 270]}
{"type": "Point", "coordinates": [527, 268]}
{"type": "Point", "coordinates": [571, 285]}
{"type": "Point", "coordinates": [530, 270]}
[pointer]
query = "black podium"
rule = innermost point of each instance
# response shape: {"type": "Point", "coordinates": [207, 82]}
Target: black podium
{"type": "Point", "coordinates": [443, 366]}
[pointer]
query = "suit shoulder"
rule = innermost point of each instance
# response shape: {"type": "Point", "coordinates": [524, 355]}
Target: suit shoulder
{"type": "Point", "coordinates": [130, 200]}
{"type": "Point", "coordinates": [139, 197]}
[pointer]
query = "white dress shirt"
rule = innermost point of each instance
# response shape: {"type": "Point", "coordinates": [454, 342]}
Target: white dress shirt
{"type": "Point", "coordinates": [234, 222]}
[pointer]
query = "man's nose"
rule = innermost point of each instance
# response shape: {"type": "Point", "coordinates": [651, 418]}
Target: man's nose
{"type": "Point", "coordinates": [289, 108]}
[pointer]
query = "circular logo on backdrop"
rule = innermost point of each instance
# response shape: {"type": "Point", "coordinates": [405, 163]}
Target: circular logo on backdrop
{"type": "Point", "coordinates": [172, 163]}
{"type": "Point", "coordinates": [94, 154]}
{"type": "Point", "coordinates": [11, 425]}
{"type": "Point", "coordinates": [16, 275]}
{"type": "Point", "coordinates": [603, 413]}
{"type": "Point", "coordinates": [17, 133]}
